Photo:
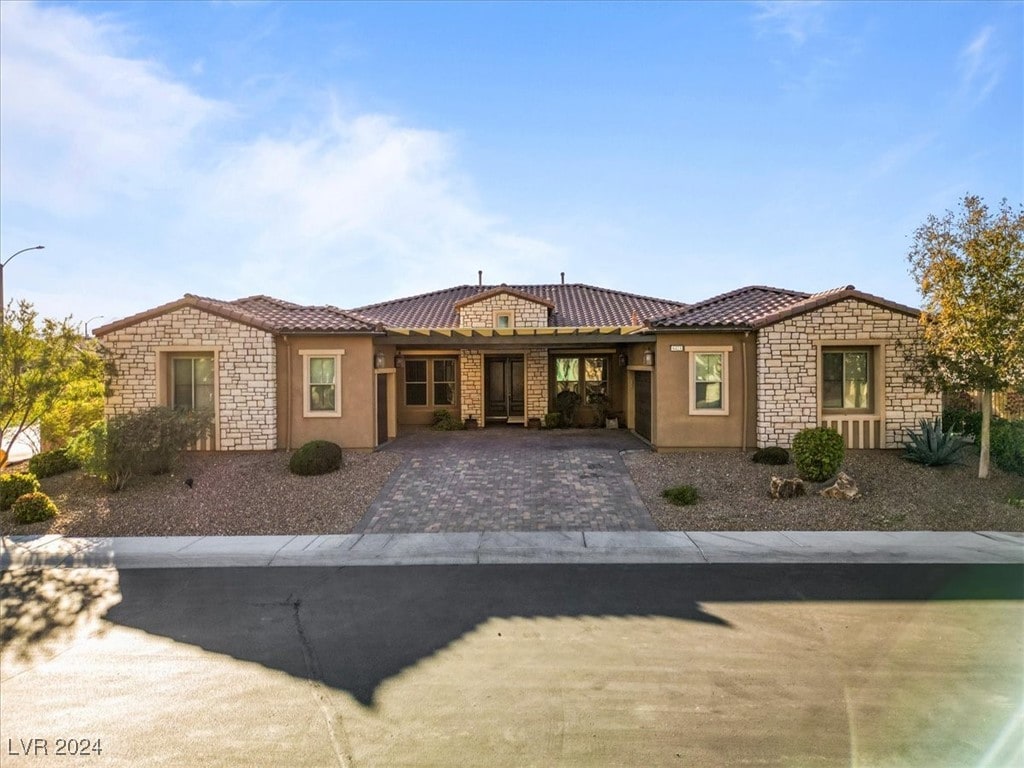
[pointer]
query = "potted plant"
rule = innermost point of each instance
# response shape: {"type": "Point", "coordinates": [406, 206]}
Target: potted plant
{"type": "Point", "coordinates": [567, 403]}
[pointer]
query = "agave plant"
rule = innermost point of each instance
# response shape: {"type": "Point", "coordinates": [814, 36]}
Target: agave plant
{"type": "Point", "coordinates": [933, 447]}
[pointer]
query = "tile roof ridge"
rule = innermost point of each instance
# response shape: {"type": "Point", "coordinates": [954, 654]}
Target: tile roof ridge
{"type": "Point", "coordinates": [418, 296]}
{"type": "Point", "coordinates": [798, 295]}
{"type": "Point", "coordinates": [282, 303]}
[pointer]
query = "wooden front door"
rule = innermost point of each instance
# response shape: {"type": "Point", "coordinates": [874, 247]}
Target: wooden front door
{"type": "Point", "coordinates": [382, 409]}
{"type": "Point", "coordinates": [642, 404]}
{"type": "Point", "coordinates": [505, 387]}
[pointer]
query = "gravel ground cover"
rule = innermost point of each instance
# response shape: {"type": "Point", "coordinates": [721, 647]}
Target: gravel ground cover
{"type": "Point", "coordinates": [896, 495]}
{"type": "Point", "coordinates": [232, 494]}
{"type": "Point", "coordinates": [255, 494]}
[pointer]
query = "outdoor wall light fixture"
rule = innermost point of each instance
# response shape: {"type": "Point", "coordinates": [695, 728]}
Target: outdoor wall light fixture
{"type": "Point", "coordinates": [399, 360]}
{"type": "Point", "coordinates": [648, 357]}
{"type": "Point", "coordinates": [378, 360]}
{"type": "Point", "coordinates": [623, 359]}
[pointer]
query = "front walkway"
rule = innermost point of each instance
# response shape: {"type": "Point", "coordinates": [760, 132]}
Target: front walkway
{"type": "Point", "coordinates": [510, 479]}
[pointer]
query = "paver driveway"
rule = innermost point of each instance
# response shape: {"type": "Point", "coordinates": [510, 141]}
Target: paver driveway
{"type": "Point", "coordinates": [510, 479]}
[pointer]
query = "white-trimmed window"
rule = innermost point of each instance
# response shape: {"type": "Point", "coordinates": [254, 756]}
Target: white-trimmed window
{"type": "Point", "coordinates": [846, 379]}
{"type": "Point", "coordinates": [709, 380]}
{"type": "Point", "coordinates": [321, 376]}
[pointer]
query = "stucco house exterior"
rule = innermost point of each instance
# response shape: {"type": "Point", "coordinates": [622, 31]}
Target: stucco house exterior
{"type": "Point", "coordinates": [747, 368]}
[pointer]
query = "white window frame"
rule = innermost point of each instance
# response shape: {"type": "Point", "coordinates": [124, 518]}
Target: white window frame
{"type": "Point", "coordinates": [307, 355]}
{"type": "Point", "coordinates": [692, 352]}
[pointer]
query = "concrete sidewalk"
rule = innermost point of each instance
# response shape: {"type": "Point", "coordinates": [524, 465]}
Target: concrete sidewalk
{"type": "Point", "coordinates": [516, 547]}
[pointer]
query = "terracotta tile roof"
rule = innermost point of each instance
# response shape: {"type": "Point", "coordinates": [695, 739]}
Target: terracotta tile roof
{"type": "Point", "coordinates": [263, 312]}
{"type": "Point", "coordinates": [758, 306]}
{"type": "Point", "coordinates": [574, 306]}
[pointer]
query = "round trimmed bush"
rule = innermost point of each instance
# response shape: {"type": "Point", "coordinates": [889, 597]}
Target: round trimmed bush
{"type": "Point", "coordinates": [14, 485]}
{"type": "Point", "coordinates": [681, 495]}
{"type": "Point", "coordinates": [33, 508]}
{"type": "Point", "coordinates": [773, 454]}
{"type": "Point", "coordinates": [317, 457]}
{"type": "Point", "coordinates": [51, 463]}
{"type": "Point", "coordinates": [818, 453]}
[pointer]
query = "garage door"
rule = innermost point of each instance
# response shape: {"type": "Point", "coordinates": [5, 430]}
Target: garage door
{"type": "Point", "coordinates": [642, 404]}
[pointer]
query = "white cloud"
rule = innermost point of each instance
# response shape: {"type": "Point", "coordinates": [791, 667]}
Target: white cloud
{"type": "Point", "coordinates": [109, 151]}
{"type": "Point", "coordinates": [83, 126]}
{"type": "Point", "coordinates": [980, 65]}
{"type": "Point", "coordinates": [796, 19]}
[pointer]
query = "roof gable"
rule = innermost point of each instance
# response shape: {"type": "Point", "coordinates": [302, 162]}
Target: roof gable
{"type": "Point", "coordinates": [263, 312]}
{"type": "Point", "coordinates": [758, 306]}
{"type": "Point", "coordinates": [503, 290]}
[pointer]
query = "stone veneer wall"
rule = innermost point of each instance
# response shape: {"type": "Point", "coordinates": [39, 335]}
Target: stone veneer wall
{"type": "Point", "coordinates": [246, 376]}
{"type": "Point", "coordinates": [536, 383]}
{"type": "Point", "coordinates": [787, 370]}
{"type": "Point", "coordinates": [525, 313]}
{"type": "Point", "coordinates": [471, 384]}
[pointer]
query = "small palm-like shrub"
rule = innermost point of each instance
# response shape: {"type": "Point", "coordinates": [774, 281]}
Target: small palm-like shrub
{"type": "Point", "coordinates": [933, 447]}
{"type": "Point", "coordinates": [567, 403]}
{"type": "Point", "coordinates": [52, 463]}
{"type": "Point", "coordinates": [1007, 446]}
{"type": "Point", "coordinates": [818, 453]}
{"type": "Point", "coordinates": [317, 457]}
{"type": "Point", "coordinates": [773, 454]}
{"type": "Point", "coordinates": [552, 420]}
{"type": "Point", "coordinates": [446, 421]}
{"type": "Point", "coordinates": [681, 495]}
{"type": "Point", "coordinates": [33, 508]}
{"type": "Point", "coordinates": [14, 485]}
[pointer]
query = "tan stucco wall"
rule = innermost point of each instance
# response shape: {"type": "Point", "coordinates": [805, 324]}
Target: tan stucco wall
{"type": "Point", "coordinates": [245, 376]}
{"type": "Point", "coordinates": [673, 425]}
{"type": "Point", "coordinates": [526, 314]}
{"type": "Point", "coordinates": [355, 427]}
{"type": "Point", "coordinates": [788, 375]}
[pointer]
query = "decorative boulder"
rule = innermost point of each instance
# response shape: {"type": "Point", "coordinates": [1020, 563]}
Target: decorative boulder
{"type": "Point", "coordinates": [843, 488]}
{"type": "Point", "coordinates": [787, 488]}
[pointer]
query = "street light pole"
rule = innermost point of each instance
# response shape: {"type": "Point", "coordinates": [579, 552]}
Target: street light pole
{"type": "Point", "coordinates": [3, 306]}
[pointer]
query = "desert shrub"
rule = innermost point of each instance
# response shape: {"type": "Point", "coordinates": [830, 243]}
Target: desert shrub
{"type": "Point", "coordinates": [773, 454]}
{"type": "Point", "coordinates": [33, 508]}
{"type": "Point", "coordinates": [446, 421]}
{"type": "Point", "coordinates": [818, 453]}
{"type": "Point", "coordinates": [147, 442]}
{"type": "Point", "coordinates": [317, 457]}
{"type": "Point", "coordinates": [933, 447]}
{"type": "Point", "coordinates": [14, 485]}
{"type": "Point", "coordinates": [567, 403]}
{"type": "Point", "coordinates": [552, 420]}
{"type": "Point", "coordinates": [51, 463]}
{"type": "Point", "coordinates": [1006, 444]}
{"type": "Point", "coordinates": [681, 495]}
{"type": "Point", "coordinates": [79, 406]}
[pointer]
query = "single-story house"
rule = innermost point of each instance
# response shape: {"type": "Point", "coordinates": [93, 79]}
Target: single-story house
{"type": "Point", "coordinates": [747, 368]}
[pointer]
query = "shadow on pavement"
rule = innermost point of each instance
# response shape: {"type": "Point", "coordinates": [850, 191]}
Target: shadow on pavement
{"type": "Point", "coordinates": [353, 628]}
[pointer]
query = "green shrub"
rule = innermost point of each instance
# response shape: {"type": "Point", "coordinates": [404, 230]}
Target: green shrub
{"type": "Point", "coordinates": [80, 405]}
{"type": "Point", "coordinates": [33, 508]}
{"type": "Point", "coordinates": [681, 495]}
{"type": "Point", "coordinates": [964, 421]}
{"type": "Point", "coordinates": [1007, 446]}
{"type": "Point", "coordinates": [14, 485]}
{"type": "Point", "coordinates": [147, 442]}
{"type": "Point", "coordinates": [552, 420]}
{"type": "Point", "coordinates": [446, 421]}
{"type": "Point", "coordinates": [933, 447]}
{"type": "Point", "coordinates": [567, 403]}
{"type": "Point", "coordinates": [317, 457]}
{"type": "Point", "coordinates": [818, 453]}
{"type": "Point", "coordinates": [52, 463]}
{"type": "Point", "coordinates": [1016, 501]}
{"type": "Point", "coordinates": [773, 454]}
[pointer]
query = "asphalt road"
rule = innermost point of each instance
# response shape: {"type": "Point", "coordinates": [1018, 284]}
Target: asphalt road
{"type": "Point", "coordinates": [515, 666]}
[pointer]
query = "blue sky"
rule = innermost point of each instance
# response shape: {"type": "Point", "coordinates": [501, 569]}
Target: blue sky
{"type": "Point", "coordinates": [343, 154]}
